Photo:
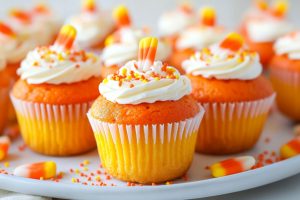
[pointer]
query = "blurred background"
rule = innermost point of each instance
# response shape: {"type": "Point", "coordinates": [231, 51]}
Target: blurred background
{"type": "Point", "coordinates": [146, 12]}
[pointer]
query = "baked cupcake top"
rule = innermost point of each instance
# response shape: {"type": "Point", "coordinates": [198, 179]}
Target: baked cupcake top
{"type": "Point", "coordinates": [59, 63]}
{"type": "Point", "coordinates": [145, 80]}
{"type": "Point", "coordinates": [173, 22]}
{"type": "Point", "coordinates": [226, 60]}
{"type": "Point", "coordinates": [203, 34]}
{"type": "Point", "coordinates": [92, 24]}
{"type": "Point", "coordinates": [267, 23]}
{"type": "Point", "coordinates": [122, 46]}
{"type": "Point", "coordinates": [289, 45]}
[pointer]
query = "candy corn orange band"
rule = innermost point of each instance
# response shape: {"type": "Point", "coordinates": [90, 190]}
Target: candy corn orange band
{"type": "Point", "coordinates": [121, 16]}
{"type": "Point", "coordinates": [208, 16]}
{"type": "Point", "coordinates": [147, 49]}
{"type": "Point", "coordinates": [21, 15]}
{"type": "Point", "coordinates": [66, 37]}
{"type": "Point", "coordinates": [4, 146]}
{"type": "Point", "coordinates": [89, 5]}
{"type": "Point", "coordinates": [232, 42]}
{"type": "Point", "coordinates": [6, 30]}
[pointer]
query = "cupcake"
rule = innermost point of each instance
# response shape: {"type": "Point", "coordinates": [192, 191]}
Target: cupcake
{"type": "Point", "coordinates": [122, 45]}
{"type": "Point", "coordinates": [57, 86]}
{"type": "Point", "coordinates": [226, 79]}
{"type": "Point", "coordinates": [285, 74]}
{"type": "Point", "coordinates": [93, 26]}
{"type": "Point", "coordinates": [145, 122]}
{"type": "Point", "coordinates": [196, 37]}
{"type": "Point", "coordinates": [262, 26]}
{"type": "Point", "coordinates": [172, 23]}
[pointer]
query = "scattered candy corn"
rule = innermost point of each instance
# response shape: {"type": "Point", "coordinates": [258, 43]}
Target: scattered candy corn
{"type": "Point", "coordinates": [121, 16]}
{"type": "Point", "coordinates": [232, 166]}
{"type": "Point", "coordinates": [42, 170]}
{"type": "Point", "coordinates": [232, 42]}
{"type": "Point", "coordinates": [6, 30]}
{"type": "Point", "coordinates": [4, 147]}
{"type": "Point", "coordinates": [279, 8]}
{"type": "Point", "coordinates": [89, 5]}
{"type": "Point", "coordinates": [66, 37]}
{"type": "Point", "coordinates": [290, 149]}
{"type": "Point", "coordinates": [208, 16]}
{"type": "Point", "coordinates": [147, 49]}
{"type": "Point", "coordinates": [21, 15]}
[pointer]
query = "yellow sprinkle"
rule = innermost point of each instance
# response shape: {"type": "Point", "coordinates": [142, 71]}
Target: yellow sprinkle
{"type": "Point", "coordinates": [86, 162]}
{"type": "Point", "coordinates": [124, 71]}
{"type": "Point", "coordinates": [74, 180]}
{"type": "Point", "coordinates": [171, 69]}
{"type": "Point", "coordinates": [6, 164]}
{"type": "Point", "coordinates": [77, 171]}
{"type": "Point", "coordinates": [60, 57]}
{"type": "Point", "coordinates": [156, 78]}
{"type": "Point", "coordinates": [105, 81]}
{"type": "Point", "coordinates": [98, 178]}
{"type": "Point", "coordinates": [177, 76]}
{"type": "Point", "coordinates": [85, 169]}
{"type": "Point", "coordinates": [144, 81]}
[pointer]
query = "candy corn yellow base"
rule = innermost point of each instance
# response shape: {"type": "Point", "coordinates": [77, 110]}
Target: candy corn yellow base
{"type": "Point", "coordinates": [288, 93]}
{"type": "Point", "coordinates": [217, 170]}
{"type": "Point", "coordinates": [287, 152]}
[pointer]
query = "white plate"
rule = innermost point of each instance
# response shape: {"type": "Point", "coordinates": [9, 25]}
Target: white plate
{"type": "Point", "coordinates": [200, 184]}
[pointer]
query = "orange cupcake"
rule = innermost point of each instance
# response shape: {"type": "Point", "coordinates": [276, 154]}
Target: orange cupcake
{"type": "Point", "coordinates": [196, 38]}
{"type": "Point", "coordinates": [262, 26]}
{"type": "Point", "coordinates": [145, 122]}
{"type": "Point", "coordinates": [50, 105]}
{"type": "Point", "coordinates": [4, 89]}
{"type": "Point", "coordinates": [226, 79]}
{"type": "Point", "coordinates": [122, 45]}
{"type": "Point", "coordinates": [285, 74]}
{"type": "Point", "coordinates": [93, 26]}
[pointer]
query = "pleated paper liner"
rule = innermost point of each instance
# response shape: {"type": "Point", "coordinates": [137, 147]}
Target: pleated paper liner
{"type": "Point", "coordinates": [287, 85]}
{"type": "Point", "coordinates": [147, 153]}
{"type": "Point", "coordinates": [232, 127]}
{"type": "Point", "coordinates": [58, 130]}
{"type": "Point", "coordinates": [4, 101]}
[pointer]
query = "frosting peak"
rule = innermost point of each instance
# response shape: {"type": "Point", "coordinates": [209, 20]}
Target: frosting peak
{"type": "Point", "coordinates": [227, 60]}
{"type": "Point", "coordinates": [289, 45]}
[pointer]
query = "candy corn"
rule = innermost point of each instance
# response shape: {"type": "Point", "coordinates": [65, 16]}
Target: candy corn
{"type": "Point", "coordinates": [66, 37]}
{"type": "Point", "coordinates": [208, 16]}
{"type": "Point", "coordinates": [280, 8]}
{"type": "Point", "coordinates": [42, 170]}
{"type": "Point", "coordinates": [262, 5]}
{"type": "Point", "coordinates": [232, 166]}
{"type": "Point", "coordinates": [41, 9]}
{"type": "Point", "coordinates": [121, 16]}
{"type": "Point", "coordinates": [20, 15]}
{"type": "Point", "coordinates": [232, 42]}
{"type": "Point", "coordinates": [290, 149]}
{"type": "Point", "coordinates": [186, 7]}
{"type": "Point", "coordinates": [147, 49]}
{"type": "Point", "coordinates": [4, 147]}
{"type": "Point", "coordinates": [6, 30]}
{"type": "Point", "coordinates": [89, 5]}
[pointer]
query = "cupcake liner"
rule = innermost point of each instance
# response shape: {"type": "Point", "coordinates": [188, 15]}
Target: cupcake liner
{"type": "Point", "coordinates": [232, 127]}
{"type": "Point", "coordinates": [147, 153]}
{"type": "Point", "coordinates": [4, 100]}
{"type": "Point", "coordinates": [287, 87]}
{"type": "Point", "coordinates": [59, 130]}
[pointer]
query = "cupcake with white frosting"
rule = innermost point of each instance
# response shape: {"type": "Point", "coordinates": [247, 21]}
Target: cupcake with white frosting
{"type": "Point", "coordinates": [197, 37]}
{"type": "Point", "coordinates": [145, 121]}
{"type": "Point", "coordinates": [227, 80]}
{"type": "Point", "coordinates": [93, 25]}
{"type": "Point", "coordinates": [122, 45]}
{"type": "Point", "coordinates": [285, 74]}
{"type": "Point", "coordinates": [263, 25]}
{"type": "Point", "coordinates": [58, 84]}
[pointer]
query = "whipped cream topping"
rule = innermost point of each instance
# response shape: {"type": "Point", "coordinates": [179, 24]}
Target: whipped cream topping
{"type": "Point", "coordinates": [53, 66]}
{"type": "Point", "coordinates": [223, 64]}
{"type": "Point", "coordinates": [289, 45]}
{"type": "Point", "coordinates": [173, 22]}
{"type": "Point", "coordinates": [126, 48]}
{"type": "Point", "coordinates": [92, 27]}
{"type": "Point", "coordinates": [198, 37]}
{"type": "Point", "coordinates": [135, 83]}
{"type": "Point", "coordinates": [267, 29]}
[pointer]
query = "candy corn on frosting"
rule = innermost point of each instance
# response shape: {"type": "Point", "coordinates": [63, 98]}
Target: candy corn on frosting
{"type": "Point", "coordinates": [225, 77]}
{"type": "Point", "coordinates": [55, 76]}
{"type": "Point", "coordinates": [145, 104]}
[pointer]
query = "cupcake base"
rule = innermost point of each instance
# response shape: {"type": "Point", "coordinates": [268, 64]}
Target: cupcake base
{"type": "Point", "coordinates": [232, 127]}
{"type": "Point", "coordinates": [287, 85]}
{"type": "Point", "coordinates": [146, 153]}
{"type": "Point", "coordinates": [4, 100]}
{"type": "Point", "coordinates": [57, 130]}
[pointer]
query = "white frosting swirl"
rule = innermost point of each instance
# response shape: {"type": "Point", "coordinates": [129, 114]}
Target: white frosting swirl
{"type": "Point", "coordinates": [289, 45]}
{"type": "Point", "coordinates": [155, 84]}
{"type": "Point", "coordinates": [199, 37]}
{"type": "Point", "coordinates": [127, 47]}
{"type": "Point", "coordinates": [91, 28]}
{"type": "Point", "coordinates": [268, 29]}
{"type": "Point", "coordinates": [174, 22]}
{"type": "Point", "coordinates": [49, 65]}
{"type": "Point", "coordinates": [223, 64]}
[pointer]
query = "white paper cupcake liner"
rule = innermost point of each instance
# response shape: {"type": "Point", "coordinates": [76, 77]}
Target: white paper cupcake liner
{"type": "Point", "coordinates": [289, 77]}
